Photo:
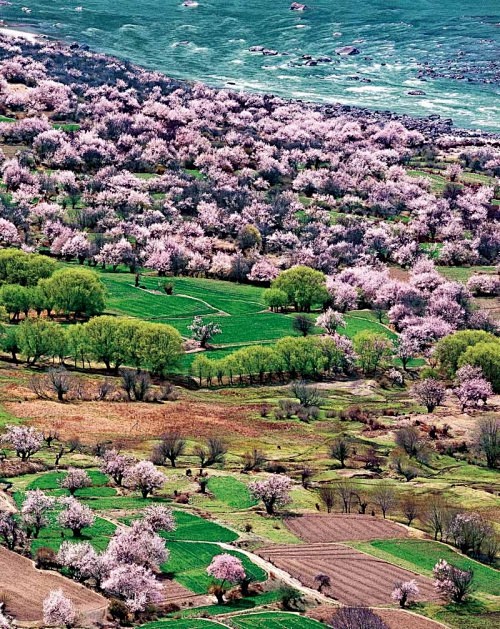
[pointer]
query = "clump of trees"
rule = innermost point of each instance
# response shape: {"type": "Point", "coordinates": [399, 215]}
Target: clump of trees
{"type": "Point", "coordinates": [30, 283]}
{"type": "Point", "coordinates": [307, 357]}
{"type": "Point", "coordinates": [114, 341]}
{"type": "Point", "coordinates": [304, 287]}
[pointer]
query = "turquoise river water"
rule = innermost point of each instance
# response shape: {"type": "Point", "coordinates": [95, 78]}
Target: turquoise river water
{"type": "Point", "coordinates": [210, 42]}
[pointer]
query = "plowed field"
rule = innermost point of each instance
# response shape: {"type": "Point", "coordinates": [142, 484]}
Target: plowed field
{"type": "Point", "coordinates": [26, 588]}
{"type": "Point", "coordinates": [343, 528]}
{"type": "Point", "coordinates": [356, 578]}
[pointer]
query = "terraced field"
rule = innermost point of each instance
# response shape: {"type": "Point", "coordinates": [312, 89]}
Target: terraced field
{"type": "Point", "coordinates": [314, 528]}
{"type": "Point", "coordinates": [354, 575]}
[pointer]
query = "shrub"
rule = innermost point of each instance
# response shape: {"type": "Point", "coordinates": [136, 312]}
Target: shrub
{"type": "Point", "coordinates": [118, 610]}
{"type": "Point", "coordinates": [356, 618]}
{"type": "Point", "coordinates": [45, 558]}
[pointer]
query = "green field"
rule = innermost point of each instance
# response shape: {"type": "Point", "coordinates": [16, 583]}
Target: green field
{"type": "Point", "coordinates": [192, 623]}
{"type": "Point", "coordinates": [463, 273]}
{"type": "Point", "coordinates": [188, 562]}
{"type": "Point", "coordinates": [238, 308]}
{"type": "Point", "coordinates": [421, 556]}
{"type": "Point", "coordinates": [274, 620]}
{"type": "Point", "coordinates": [53, 536]}
{"type": "Point", "coordinates": [51, 480]}
{"type": "Point", "coordinates": [231, 491]}
{"type": "Point", "coordinates": [192, 527]}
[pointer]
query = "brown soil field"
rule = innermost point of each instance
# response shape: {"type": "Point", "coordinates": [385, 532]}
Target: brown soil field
{"type": "Point", "coordinates": [399, 619]}
{"type": "Point", "coordinates": [356, 578]}
{"type": "Point", "coordinates": [314, 528]}
{"type": "Point", "coordinates": [174, 592]}
{"type": "Point", "coordinates": [25, 589]}
{"type": "Point", "coordinates": [91, 421]}
{"type": "Point", "coordinates": [393, 618]}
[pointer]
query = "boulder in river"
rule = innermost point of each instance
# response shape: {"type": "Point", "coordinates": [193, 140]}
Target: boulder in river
{"type": "Point", "coordinates": [347, 51]}
{"type": "Point", "coordinates": [297, 6]}
{"type": "Point", "coordinates": [416, 93]}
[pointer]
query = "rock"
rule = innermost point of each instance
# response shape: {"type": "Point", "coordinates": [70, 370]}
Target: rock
{"type": "Point", "coordinates": [307, 57]}
{"type": "Point", "coordinates": [311, 62]}
{"type": "Point", "coordinates": [269, 53]}
{"type": "Point", "coordinates": [297, 6]}
{"type": "Point", "coordinates": [347, 51]}
{"type": "Point", "coordinates": [256, 48]}
{"type": "Point", "coordinates": [416, 93]}
{"type": "Point", "coordinates": [325, 59]}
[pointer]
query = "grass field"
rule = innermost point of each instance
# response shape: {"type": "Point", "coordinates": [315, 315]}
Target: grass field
{"type": "Point", "coordinates": [188, 562]}
{"type": "Point", "coordinates": [192, 623]}
{"type": "Point", "coordinates": [238, 308]}
{"type": "Point", "coordinates": [191, 527]}
{"type": "Point", "coordinates": [274, 620]}
{"type": "Point", "coordinates": [51, 480]}
{"type": "Point", "coordinates": [463, 273]}
{"type": "Point", "coordinates": [231, 491]}
{"type": "Point", "coordinates": [53, 536]}
{"type": "Point", "coordinates": [421, 556]}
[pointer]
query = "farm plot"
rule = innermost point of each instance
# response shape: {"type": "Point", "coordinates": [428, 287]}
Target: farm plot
{"type": "Point", "coordinates": [188, 563]}
{"type": "Point", "coordinates": [191, 623]}
{"type": "Point", "coordinates": [239, 309]}
{"type": "Point", "coordinates": [25, 588]}
{"type": "Point", "coordinates": [195, 529]}
{"type": "Point", "coordinates": [342, 528]}
{"type": "Point", "coordinates": [174, 592]}
{"type": "Point", "coordinates": [274, 620]}
{"type": "Point", "coordinates": [231, 491]}
{"type": "Point", "coordinates": [355, 577]}
{"type": "Point", "coordinates": [422, 555]}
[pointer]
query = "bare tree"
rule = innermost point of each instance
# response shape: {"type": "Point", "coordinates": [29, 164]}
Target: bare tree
{"type": "Point", "coordinates": [214, 452]}
{"type": "Point", "coordinates": [340, 450]}
{"type": "Point", "coordinates": [136, 384]}
{"type": "Point", "coordinates": [356, 618]}
{"type": "Point", "coordinates": [437, 516]}
{"type": "Point", "coordinates": [59, 454]}
{"type": "Point", "coordinates": [171, 447]}
{"type": "Point", "coordinates": [306, 473]}
{"type": "Point", "coordinates": [362, 497]}
{"type": "Point", "coordinates": [385, 498]}
{"type": "Point", "coordinates": [327, 495]}
{"type": "Point", "coordinates": [345, 490]}
{"type": "Point", "coordinates": [253, 460]}
{"type": "Point", "coordinates": [410, 506]}
{"type": "Point", "coordinates": [104, 390]}
{"type": "Point", "coordinates": [487, 439]}
{"type": "Point", "coordinates": [38, 385]}
{"type": "Point", "coordinates": [59, 381]}
{"type": "Point", "coordinates": [50, 436]}
{"type": "Point", "coordinates": [74, 445]}
{"type": "Point", "coordinates": [408, 438]}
